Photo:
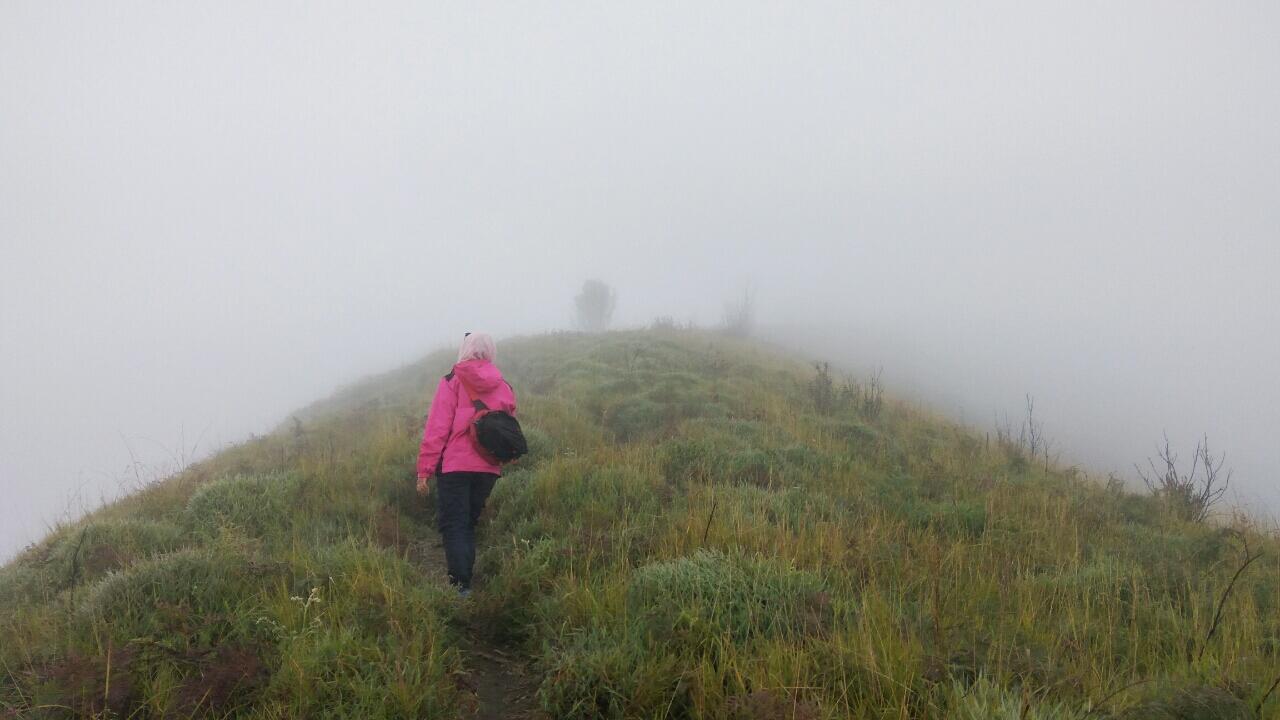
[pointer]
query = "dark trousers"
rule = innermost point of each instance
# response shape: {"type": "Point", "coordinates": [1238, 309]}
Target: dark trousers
{"type": "Point", "coordinates": [460, 497]}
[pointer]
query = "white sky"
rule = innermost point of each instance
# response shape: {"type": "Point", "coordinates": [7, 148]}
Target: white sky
{"type": "Point", "coordinates": [211, 215]}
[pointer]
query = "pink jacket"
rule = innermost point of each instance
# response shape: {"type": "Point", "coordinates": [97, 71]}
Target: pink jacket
{"type": "Point", "coordinates": [446, 440]}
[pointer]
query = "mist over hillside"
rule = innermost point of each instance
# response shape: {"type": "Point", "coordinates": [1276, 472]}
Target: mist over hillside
{"type": "Point", "coordinates": [1105, 407]}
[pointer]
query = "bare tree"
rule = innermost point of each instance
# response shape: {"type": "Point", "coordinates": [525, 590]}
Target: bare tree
{"type": "Point", "coordinates": [740, 315]}
{"type": "Point", "coordinates": [594, 306]}
{"type": "Point", "coordinates": [866, 398]}
{"type": "Point", "coordinates": [1031, 443]}
{"type": "Point", "coordinates": [1033, 431]}
{"type": "Point", "coordinates": [822, 390]}
{"type": "Point", "coordinates": [1194, 493]}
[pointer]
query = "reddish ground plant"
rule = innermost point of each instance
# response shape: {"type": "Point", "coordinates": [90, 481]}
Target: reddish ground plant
{"type": "Point", "coordinates": [771, 705]}
{"type": "Point", "coordinates": [229, 678]}
{"type": "Point", "coordinates": [103, 558]}
{"type": "Point", "coordinates": [93, 685]}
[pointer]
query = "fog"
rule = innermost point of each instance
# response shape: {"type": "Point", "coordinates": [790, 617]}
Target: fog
{"type": "Point", "coordinates": [213, 214]}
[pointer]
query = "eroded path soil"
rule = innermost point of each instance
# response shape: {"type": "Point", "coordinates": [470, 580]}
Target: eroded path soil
{"type": "Point", "coordinates": [500, 681]}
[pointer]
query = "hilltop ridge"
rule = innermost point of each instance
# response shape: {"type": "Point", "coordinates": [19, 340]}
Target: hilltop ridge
{"type": "Point", "coordinates": [704, 529]}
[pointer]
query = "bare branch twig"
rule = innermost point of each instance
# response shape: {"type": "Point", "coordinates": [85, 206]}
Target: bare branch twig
{"type": "Point", "coordinates": [1249, 559]}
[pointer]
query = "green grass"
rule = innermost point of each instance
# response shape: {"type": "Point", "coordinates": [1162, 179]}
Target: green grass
{"type": "Point", "coordinates": [689, 538]}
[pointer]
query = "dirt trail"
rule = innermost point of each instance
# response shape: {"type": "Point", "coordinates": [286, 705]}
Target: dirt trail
{"type": "Point", "coordinates": [500, 680]}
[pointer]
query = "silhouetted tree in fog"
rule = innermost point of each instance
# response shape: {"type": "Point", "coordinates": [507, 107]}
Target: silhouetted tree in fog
{"type": "Point", "coordinates": [740, 315]}
{"type": "Point", "coordinates": [594, 306]}
{"type": "Point", "coordinates": [1191, 494]}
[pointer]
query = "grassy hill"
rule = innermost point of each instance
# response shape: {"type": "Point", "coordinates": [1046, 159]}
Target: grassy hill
{"type": "Point", "coordinates": [703, 530]}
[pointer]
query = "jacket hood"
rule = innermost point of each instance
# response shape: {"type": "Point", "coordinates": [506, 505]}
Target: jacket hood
{"type": "Point", "coordinates": [481, 376]}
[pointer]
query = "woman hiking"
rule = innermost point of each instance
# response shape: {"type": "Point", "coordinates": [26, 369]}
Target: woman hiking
{"type": "Point", "coordinates": [464, 472]}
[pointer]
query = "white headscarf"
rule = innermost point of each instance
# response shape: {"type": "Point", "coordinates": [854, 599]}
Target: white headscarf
{"type": "Point", "coordinates": [478, 346]}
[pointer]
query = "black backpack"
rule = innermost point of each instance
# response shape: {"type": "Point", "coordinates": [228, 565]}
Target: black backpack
{"type": "Point", "coordinates": [496, 434]}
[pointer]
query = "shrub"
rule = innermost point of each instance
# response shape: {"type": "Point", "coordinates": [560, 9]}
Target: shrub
{"type": "Point", "coordinates": [1200, 703]}
{"type": "Point", "coordinates": [951, 518]}
{"type": "Point", "coordinates": [692, 602]}
{"type": "Point", "coordinates": [362, 634]}
{"type": "Point", "coordinates": [542, 447]}
{"type": "Point", "coordinates": [83, 554]}
{"type": "Point", "coordinates": [259, 506]}
{"type": "Point", "coordinates": [21, 583]}
{"type": "Point", "coordinates": [1171, 561]}
{"type": "Point", "coordinates": [794, 506]}
{"type": "Point", "coordinates": [771, 705]}
{"type": "Point", "coordinates": [1137, 509]}
{"type": "Point", "coordinates": [596, 497]}
{"type": "Point", "coordinates": [750, 466]}
{"type": "Point", "coordinates": [365, 589]}
{"type": "Point", "coordinates": [821, 389]}
{"type": "Point", "coordinates": [519, 577]}
{"type": "Point", "coordinates": [727, 459]}
{"type": "Point", "coordinates": [985, 700]}
{"type": "Point", "coordinates": [650, 404]}
{"type": "Point", "coordinates": [106, 545]}
{"type": "Point", "coordinates": [194, 591]}
{"type": "Point", "coordinates": [597, 676]}
{"type": "Point", "coordinates": [663, 323]}
{"type": "Point", "coordinates": [855, 432]}
{"type": "Point", "coordinates": [684, 617]}
{"type": "Point", "coordinates": [865, 398]}
{"type": "Point", "coordinates": [634, 418]}
{"type": "Point", "coordinates": [594, 306]}
{"type": "Point", "coordinates": [1191, 493]}
{"type": "Point", "coordinates": [730, 430]}
{"type": "Point", "coordinates": [691, 460]}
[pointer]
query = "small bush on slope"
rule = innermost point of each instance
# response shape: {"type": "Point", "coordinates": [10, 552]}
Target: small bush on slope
{"type": "Point", "coordinates": [1196, 703]}
{"type": "Point", "coordinates": [362, 634]}
{"type": "Point", "coordinates": [208, 585]}
{"type": "Point", "coordinates": [257, 506]}
{"type": "Point", "coordinates": [984, 700]}
{"type": "Point", "coordinates": [85, 555]}
{"type": "Point", "coordinates": [692, 603]}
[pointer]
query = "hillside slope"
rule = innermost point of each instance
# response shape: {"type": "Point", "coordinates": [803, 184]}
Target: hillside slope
{"type": "Point", "coordinates": [701, 531]}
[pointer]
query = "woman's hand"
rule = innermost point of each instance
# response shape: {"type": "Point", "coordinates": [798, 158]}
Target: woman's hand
{"type": "Point", "coordinates": [423, 486]}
